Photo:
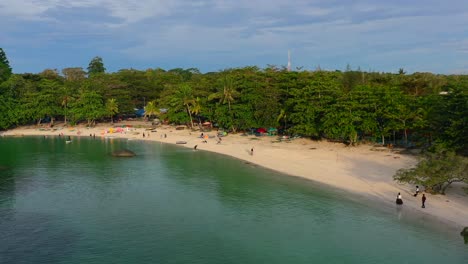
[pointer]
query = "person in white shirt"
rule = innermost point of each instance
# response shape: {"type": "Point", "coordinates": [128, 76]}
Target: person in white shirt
{"type": "Point", "coordinates": [399, 200]}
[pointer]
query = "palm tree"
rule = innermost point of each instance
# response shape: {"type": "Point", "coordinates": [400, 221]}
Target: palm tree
{"type": "Point", "coordinates": [151, 109]}
{"type": "Point", "coordinates": [226, 94]}
{"type": "Point", "coordinates": [196, 108]}
{"type": "Point", "coordinates": [282, 115]}
{"type": "Point", "coordinates": [112, 108]}
{"type": "Point", "coordinates": [183, 96]}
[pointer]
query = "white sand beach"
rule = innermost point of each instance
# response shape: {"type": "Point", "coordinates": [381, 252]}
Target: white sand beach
{"type": "Point", "coordinates": [365, 170]}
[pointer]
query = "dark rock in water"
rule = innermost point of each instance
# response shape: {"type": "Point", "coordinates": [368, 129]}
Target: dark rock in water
{"type": "Point", "coordinates": [3, 167]}
{"type": "Point", "coordinates": [123, 153]}
{"type": "Point", "coordinates": [464, 234]}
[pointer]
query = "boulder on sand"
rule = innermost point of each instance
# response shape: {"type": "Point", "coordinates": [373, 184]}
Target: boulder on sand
{"type": "Point", "coordinates": [123, 153]}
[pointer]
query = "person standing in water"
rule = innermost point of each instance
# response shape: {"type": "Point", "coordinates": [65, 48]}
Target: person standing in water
{"type": "Point", "coordinates": [423, 200]}
{"type": "Point", "coordinates": [398, 199]}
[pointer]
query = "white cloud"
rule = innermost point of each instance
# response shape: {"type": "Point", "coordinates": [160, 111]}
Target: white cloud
{"type": "Point", "coordinates": [127, 10]}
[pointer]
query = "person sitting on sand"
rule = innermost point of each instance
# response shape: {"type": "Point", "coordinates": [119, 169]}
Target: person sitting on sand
{"type": "Point", "coordinates": [417, 191]}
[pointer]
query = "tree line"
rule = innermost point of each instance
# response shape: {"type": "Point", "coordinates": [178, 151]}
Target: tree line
{"type": "Point", "coordinates": [349, 106]}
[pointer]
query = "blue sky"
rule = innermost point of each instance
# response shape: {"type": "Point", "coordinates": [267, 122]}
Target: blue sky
{"type": "Point", "coordinates": [419, 35]}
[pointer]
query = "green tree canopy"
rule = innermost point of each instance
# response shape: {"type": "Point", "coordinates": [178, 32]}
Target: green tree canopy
{"type": "Point", "coordinates": [88, 106]}
{"type": "Point", "coordinates": [5, 69]}
{"type": "Point", "coordinates": [436, 171]}
{"type": "Point", "coordinates": [96, 66]}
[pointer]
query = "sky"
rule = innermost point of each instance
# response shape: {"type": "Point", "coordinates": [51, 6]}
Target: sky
{"type": "Point", "coordinates": [212, 35]}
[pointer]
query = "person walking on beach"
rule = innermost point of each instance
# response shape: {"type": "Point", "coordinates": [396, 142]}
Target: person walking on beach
{"type": "Point", "coordinates": [423, 199]}
{"type": "Point", "coordinates": [417, 191]}
{"type": "Point", "coordinates": [251, 151]}
{"type": "Point", "coordinates": [195, 147]}
{"type": "Point", "coordinates": [398, 199]}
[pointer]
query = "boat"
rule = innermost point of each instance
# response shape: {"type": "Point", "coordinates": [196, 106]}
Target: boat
{"type": "Point", "coordinates": [181, 142]}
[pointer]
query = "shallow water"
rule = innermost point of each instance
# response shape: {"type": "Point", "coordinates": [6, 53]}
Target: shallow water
{"type": "Point", "coordinates": [74, 203]}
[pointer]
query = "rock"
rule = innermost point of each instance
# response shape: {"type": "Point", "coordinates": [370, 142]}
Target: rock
{"type": "Point", "coordinates": [464, 234]}
{"type": "Point", "coordinates": [123, 153]}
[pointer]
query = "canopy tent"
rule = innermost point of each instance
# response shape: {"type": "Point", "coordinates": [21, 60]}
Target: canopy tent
{"type": "Point", "coordinates": [272, 131]}
{"type": "Point", "coordinates": [140, 112]}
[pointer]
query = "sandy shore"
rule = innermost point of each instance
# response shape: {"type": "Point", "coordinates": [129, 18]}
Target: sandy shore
{"type": "Point", "coordinates": [364, 170]}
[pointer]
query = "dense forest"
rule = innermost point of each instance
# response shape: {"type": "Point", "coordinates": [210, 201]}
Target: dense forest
{"type": "Point", "coordinates": [349, 106]}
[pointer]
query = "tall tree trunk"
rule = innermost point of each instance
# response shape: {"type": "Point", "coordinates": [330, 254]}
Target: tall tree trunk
{"type": "Point", "coordinates": [65, 117]}
{"type": "Point", "coordinates": [232, 119]}
{"type": "Point", "coordinates": [405, 131]}
{"type": "Point", "coordinates": [190, 115]}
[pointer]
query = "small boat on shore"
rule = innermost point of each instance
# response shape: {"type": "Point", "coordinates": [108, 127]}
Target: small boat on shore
{"type": "Point", "coordinates": [181, 142]}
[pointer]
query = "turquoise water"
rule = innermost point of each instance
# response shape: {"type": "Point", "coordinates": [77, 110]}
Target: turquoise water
{"type": "Point", "coordinates": [74, 203]}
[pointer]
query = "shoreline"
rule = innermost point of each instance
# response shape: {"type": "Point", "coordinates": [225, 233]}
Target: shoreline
{"type": "Point", "coordinates": [364, 170]}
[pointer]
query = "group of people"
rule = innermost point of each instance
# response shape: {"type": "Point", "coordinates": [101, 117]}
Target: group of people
{"type": "Point", "coordinates": [399, 199]}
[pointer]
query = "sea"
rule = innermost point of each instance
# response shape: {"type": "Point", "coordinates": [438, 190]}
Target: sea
{"type": "Point", "coordinates": [76, 203]}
